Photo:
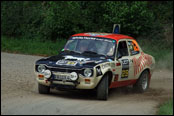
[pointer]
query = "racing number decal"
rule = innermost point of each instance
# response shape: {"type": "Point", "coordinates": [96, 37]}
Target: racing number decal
{"type": "Point", "coordinates": [125, 68]}
{"type": "Point", "coordinates": [124, 74]}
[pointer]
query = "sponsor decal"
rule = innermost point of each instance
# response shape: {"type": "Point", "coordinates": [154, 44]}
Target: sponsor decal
{"type": "Point", "coordinates": [113, 65]}
{"type": "Point", "coordinates": [66, 62]}
{"type": "Point", "coordinates": [116, 77]}
{"type": "Point", "coordinates": [105, 66]}
{"type": "Point", "coordinates": [141, 62]}
{"type": "Point", "coordinates": [76, 58]}
{"type": "Point", "coordinates": [92, 38]}
{"type": "Point", "coordinates": [98, 61]}
{"type": "Point", "coordinates": [99, 72]}
{"type": "Point", "coordinates": [95, 34]}
{"type": "Point", "coordinates": [125, 68]}
{"type": "Point", "coordinates": [50, 62]}
{"type": "Point", "coordinates": [103, 58]}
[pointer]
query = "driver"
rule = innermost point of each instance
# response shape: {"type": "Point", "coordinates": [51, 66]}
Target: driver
{"type": "Point", "coordinates": [83, 47]}
{"type": "Point", "coordinates": [92, 47]}
{"type": "Point", "coordinates": [111, 51]}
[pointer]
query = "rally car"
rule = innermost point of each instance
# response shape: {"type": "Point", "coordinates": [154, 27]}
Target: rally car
{"type": "Point", "coordinates": [97, 61]}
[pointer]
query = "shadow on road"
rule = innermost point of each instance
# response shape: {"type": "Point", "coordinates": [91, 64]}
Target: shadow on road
{"type": "Point", "coordinates": [126, 93]}
{"type": "Point", "coordinates": [91, 94]}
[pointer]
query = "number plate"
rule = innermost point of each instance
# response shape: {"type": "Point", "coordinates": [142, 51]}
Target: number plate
{"type": "Point", "coordinates": [62, 77]}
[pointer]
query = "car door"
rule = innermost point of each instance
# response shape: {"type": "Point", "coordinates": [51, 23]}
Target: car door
{"type": "Point", "coordinates": [125, 61]}
{"type": "Point", "coordinates": [135, 57]}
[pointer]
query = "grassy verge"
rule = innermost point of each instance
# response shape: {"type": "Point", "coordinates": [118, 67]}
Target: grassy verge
{"type": "Point", "coordinates": [166, 108]}
{"type": "Point", "coordinates": [33, 46]}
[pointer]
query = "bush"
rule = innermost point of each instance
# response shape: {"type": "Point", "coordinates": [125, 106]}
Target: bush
{"type": "Point", "coordinates": [11, 17]}
{"type": "Point", "coordinates": [59, 19]}
{"type": "Point", "coordinates": [134, 17]}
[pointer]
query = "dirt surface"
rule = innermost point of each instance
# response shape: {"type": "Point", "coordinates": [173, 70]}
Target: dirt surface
{"type": "Point", "coordinates": [19, 94]}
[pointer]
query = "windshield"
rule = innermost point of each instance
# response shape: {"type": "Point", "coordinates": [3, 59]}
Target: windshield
{"type": "Point", "coordinates": [95, 45]}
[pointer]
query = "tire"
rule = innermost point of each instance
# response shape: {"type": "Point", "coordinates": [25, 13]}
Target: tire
{"type": "Point", "coordinates": [43, 89]}
{"type": "Point", "coordinates": [102, 89]}
{"type": "Point", "coordinates": [143, 83]}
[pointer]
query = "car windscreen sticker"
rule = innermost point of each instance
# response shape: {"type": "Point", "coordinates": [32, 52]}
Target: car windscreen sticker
{"type": "Point", "coordinates": [125, 68]}
{"type": "Point", "coordinates": [91, 38]}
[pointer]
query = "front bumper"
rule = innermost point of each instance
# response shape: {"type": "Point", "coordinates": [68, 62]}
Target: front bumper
{"type": "Point", "coordinates": [64, 87]}
{"type": "Point", "coordinates": [80, 83]}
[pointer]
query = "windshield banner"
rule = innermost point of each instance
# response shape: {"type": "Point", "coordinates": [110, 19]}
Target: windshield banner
{"type": "Point", "coordinates": [93, 38]}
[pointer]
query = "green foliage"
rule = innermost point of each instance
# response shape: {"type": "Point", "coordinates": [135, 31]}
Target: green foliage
{"type": "Point", "coordinates": [20, 18]}
{"type": "Point", "coordinates": [51, 20]}
{"type": "Point", "coordinates": [60, 20]}
{"type": "Point", "coordinates": [11, 17]}
{"type": "Point", "coordinates": [166, 108]}
{"type": "Point", "coordinates": [134, 17]}
{"type": "Point", "coordinates": [162, 10]}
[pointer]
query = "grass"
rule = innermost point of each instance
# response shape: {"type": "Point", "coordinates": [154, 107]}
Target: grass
{"type": "Point", "coordinates": [33, 46]}
{"type": "Point", "coordinates": [166, 108]}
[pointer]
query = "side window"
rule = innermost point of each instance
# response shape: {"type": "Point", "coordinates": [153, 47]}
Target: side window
{"type": "Point", "coordinates": [122, 49]}
{"type": "Point", "coordinates": [133, 47]}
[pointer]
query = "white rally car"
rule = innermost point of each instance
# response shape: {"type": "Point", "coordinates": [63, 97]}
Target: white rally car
{"type": "Point", "coordinates": [96, 61]}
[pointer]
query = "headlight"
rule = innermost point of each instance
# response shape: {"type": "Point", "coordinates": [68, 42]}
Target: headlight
{"type": "Point", "coordinates": [41, 68]}
{"type": "Point", "coordinates": [74, 76]}
{"type": "Point", "coordinates": [47, 74]}
{"type": "Point", "coordinates": [87, 72]}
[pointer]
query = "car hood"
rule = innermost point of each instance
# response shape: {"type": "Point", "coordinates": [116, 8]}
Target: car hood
{"type": "Point", "coordinates": [68, 60]}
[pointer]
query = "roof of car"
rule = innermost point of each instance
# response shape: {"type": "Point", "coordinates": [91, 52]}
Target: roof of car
{"type": "Point", "coordinates": [105, 35]}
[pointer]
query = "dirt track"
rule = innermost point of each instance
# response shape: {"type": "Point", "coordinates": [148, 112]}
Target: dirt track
{"type": "Point", "coordinates": [19, 93]}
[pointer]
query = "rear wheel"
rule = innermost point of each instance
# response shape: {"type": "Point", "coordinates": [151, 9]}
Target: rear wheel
{"type": "Point", "coordinates": [102, 89]}
{"type": "Point", "coordinates": [43, 89]}
{"type": "Point", "coordinates": [143, 83]}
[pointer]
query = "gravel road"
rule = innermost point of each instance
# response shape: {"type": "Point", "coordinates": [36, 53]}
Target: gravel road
{"type": "Point", "coordinates": [19, 94]}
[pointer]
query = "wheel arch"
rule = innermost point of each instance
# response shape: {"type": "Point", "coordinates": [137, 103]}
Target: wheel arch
{"type": "Point", "coordinates": [148, 70]}
{"type": "Point", "coordinates": [110, 76]}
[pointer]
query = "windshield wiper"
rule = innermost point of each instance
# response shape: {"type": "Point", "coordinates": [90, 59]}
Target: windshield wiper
{"type": "Point", "coordinates": [95, 53]}
{"type": "Point", "coordinates": [89, 52]}
{"type": "Point", "coordinates": [103, 55]}
{"type": "Point", "coordinates": [71, 51]}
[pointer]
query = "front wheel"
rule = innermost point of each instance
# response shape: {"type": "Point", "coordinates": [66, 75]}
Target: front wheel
{"type": "Point", "coordinates": [102, 89]}
{"type": "Point", "coordinates": [43, 89]}
{"type": "Point", "coordinates": [143, 83]}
